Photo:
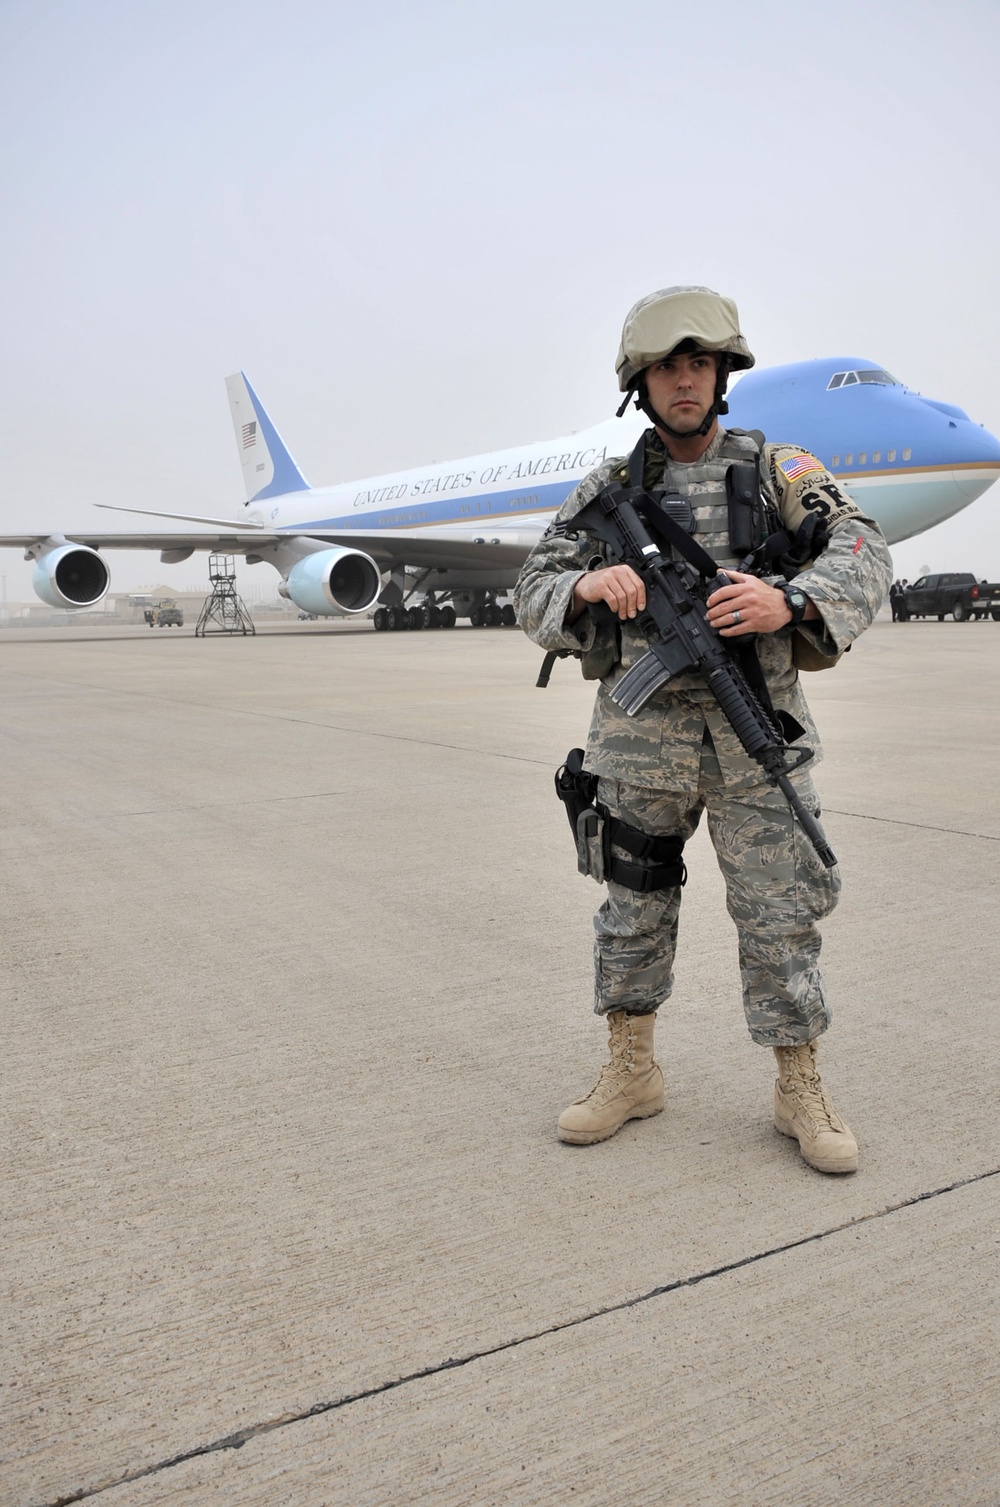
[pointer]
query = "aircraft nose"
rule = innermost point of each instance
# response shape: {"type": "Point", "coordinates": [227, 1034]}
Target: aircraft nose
{"type": "Point", "coordinates": [978, 453]}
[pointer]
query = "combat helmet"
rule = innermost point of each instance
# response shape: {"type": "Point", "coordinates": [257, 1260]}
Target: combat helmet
{"type": "Point", "coordinates": [688, 317]}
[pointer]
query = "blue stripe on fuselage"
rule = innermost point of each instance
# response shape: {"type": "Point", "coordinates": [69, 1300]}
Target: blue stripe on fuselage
{"type": "Point", "coordinates": [486, 507]}
{"type": "Point", "coordinates": [459, 509]}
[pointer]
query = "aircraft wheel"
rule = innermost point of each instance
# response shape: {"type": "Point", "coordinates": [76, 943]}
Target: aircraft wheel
{"type": "Point", "coordinates": [476, 617]}
{"type": "Point", "coordinates": [415, 617]}
{"type": "Point", "coordinates": [508, 616]}
{"type": "Point", "coordinates": [960, 612]}
{"type": "Point", "coordinates": [448, 618]}
{"type": "Point", "coordinates": [995, 616]}
{"type": "Point", "coordinates": [427, 616]}
{"type": "Point", "coordinates": [395, 619]}
{"type": "Point", "coordinates": [378, 619]}
{"type": "Point", "coordinates": [491, 616]}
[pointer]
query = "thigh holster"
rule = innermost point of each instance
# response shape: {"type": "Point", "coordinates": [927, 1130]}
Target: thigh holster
{"type": "Point", "coordinates": [653, 863]}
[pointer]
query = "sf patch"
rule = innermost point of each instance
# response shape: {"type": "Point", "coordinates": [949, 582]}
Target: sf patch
{"type": "Point", "coordinates": [828, 502]}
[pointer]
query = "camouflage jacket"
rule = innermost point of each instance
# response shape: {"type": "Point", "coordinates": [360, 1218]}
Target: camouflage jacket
{"type": "Point", "coordinates": [661, 747]}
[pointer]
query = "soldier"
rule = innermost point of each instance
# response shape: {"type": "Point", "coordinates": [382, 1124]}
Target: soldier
{"type": "Point", "coordinates": [658, 771]}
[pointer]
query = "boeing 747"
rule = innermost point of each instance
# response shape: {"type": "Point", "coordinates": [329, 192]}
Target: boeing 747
{"type": "Point", "coordinates": [424, 546]}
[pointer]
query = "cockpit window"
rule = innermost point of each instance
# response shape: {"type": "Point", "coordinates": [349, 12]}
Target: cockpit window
{"type": "Point", "coordinates": [882, 378]}
{"type": "Point", "coordinates": [875, 374]}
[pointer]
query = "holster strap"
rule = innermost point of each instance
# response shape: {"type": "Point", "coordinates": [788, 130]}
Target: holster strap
{"type": "Point", "coordinates": [659, 865]}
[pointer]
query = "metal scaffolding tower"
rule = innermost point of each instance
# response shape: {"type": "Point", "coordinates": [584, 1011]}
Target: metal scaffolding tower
{"type": "Point", "coordinates": [223, 611]}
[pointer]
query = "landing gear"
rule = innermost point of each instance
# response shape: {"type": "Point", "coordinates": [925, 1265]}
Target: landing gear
{"type": "Point", "coordinates": [398, 619]}
{"type": "Point", "coordinates": [490, 614]}
{"type": "Point", "coordinates": [485, 613]}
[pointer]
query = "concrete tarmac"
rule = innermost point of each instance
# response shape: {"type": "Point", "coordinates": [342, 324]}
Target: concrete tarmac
{"type": "Point", "coordinates": [296, 979]}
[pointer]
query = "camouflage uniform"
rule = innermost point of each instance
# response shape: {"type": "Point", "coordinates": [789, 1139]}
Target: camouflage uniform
{"type": "Point", "coordinates": [679, 755]}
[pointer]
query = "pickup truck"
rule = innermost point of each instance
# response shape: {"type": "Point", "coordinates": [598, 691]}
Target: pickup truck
{"type": "Point", "coordinates": [959, 593]}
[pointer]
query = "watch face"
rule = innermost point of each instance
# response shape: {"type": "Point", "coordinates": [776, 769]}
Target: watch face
{"type": "Point", "coordinates": [797, 599]}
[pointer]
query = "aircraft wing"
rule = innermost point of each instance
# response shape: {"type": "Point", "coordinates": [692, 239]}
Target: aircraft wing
{"type": "Point", "coordinates": [423, 548]}
{"type": "Point", "coordinates": [431, 548]}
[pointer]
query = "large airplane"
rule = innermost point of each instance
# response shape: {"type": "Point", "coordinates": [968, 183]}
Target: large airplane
{"type": "Point", "coordinates": [420, 548]}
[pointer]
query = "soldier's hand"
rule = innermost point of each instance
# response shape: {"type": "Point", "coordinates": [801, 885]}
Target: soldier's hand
{"type": "Point", "coordinates": [758, 608]}
{"type": "Point", "coordinates": [618, 585]}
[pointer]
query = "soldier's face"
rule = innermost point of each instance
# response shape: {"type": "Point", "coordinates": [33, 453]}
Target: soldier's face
{"type": "Point", "coordinates": [682, 388]}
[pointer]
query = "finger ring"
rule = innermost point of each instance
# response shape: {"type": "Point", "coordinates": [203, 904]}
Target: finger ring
{"type": "Point", "coordinates": [736, 614]}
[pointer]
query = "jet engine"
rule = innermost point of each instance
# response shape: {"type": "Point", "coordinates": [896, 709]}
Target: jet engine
{"type": "Point", "coordinates": [72, 575]}
{"type": "Point", "coordinates": [333, 581]}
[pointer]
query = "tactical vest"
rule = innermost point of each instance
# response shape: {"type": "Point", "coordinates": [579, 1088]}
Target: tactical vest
{"type": "Point", "coordinates": [703, 484]}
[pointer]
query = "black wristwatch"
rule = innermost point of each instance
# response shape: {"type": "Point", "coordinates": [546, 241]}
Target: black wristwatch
{"type": "Point", "coordinates": [796, 599]}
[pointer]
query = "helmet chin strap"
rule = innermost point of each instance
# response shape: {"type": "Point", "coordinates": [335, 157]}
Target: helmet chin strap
{"type": "Point", "coordinates": [641, 394]}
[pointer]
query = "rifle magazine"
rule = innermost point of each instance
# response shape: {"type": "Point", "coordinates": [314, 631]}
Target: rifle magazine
{"type": "Point", "coordinates": [640, 683]}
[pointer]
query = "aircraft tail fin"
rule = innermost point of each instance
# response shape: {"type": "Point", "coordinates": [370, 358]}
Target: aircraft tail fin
{"type": "Point", "coordinates": [268, 468]}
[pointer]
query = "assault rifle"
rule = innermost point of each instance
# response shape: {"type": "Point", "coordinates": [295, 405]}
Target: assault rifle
{"type": "Point", "coordinates": [681, 640]}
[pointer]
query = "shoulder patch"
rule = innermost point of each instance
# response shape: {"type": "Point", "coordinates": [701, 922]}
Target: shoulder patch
{"type": "Point", "coordinates": [799, 464]}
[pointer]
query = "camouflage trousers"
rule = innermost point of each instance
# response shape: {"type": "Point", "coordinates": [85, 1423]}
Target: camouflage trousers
{"type": "Point", "coordinates": [776, 890]}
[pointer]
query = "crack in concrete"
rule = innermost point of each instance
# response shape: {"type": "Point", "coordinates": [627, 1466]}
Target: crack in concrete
{"type": "Point", "coordinates": [491, 753]}
{"type": "Point", "coordinates": [898, 821]}
{"type": "Point", "coordinates": [258, 1430]}
{"type": "Point", "coordinates": [278, 716]}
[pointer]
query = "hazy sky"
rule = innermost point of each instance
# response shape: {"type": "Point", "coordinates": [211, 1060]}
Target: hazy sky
{"type": "Point", "coordinates": [418, 227]}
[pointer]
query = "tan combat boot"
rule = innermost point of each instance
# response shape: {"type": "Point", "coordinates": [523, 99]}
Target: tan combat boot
{"type": "Point", "coordinates": [630, 1086]}
{"type": "Point", "coordinates": [803, 1111]}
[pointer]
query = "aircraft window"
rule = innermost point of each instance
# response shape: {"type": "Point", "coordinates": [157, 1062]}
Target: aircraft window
{"type": "Point", "coordinates": [835, 461]}
{"type": "Point", "coordinates": [891, 455]}
{"type": "Point", "coordinates": [862, 459]}
{"type": "Point", "coordinates": [876, 375]}
{"type": "Point", "coordinates": [876, 457]}
{"type": "Point", "coordinates": [848, 460]}
{"type": "Point", "coordinates": [907, 454]}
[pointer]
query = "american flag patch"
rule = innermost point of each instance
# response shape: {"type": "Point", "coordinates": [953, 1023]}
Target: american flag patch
{"type": "Point", "coordinates": [799, 465]}
{"type": "Point", "coordinates": [249, 434]}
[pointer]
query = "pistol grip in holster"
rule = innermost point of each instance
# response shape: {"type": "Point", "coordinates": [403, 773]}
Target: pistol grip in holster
{"type": "Point", "coordinates": [578, 791]}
